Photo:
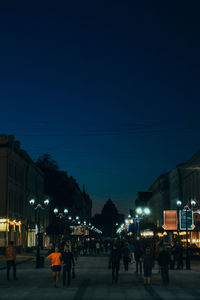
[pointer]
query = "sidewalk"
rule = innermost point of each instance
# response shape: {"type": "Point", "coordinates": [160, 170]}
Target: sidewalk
{"type": "Point", "coordinates": [21, 258]}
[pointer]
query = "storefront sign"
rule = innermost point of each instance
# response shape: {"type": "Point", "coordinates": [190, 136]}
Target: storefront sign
{"type": "Point", "coordinates": [147, 233]}
{"type": "Point", "coordinates": [186, 220]}
{"type": "Point", "coordinates": [170, 220]}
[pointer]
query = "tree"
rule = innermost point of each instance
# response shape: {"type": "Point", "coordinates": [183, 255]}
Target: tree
{"type": "Point", "coordinates": [63, 191]}
{"type": "Point", "coordinates": [45, 162]}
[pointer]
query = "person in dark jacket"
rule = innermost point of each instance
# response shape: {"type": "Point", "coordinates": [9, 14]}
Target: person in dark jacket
{"type": "Point", "coordinates": [114, 262]}
{"type": "Point", "coordinates": [148, 263]}
{"type": "Point", "coordinates": [179, 256]}
{"type": "Point", "coordinates": [126, 256]}
{"type": "Point", "coordinates": [138, 258]}
{"type": "Point", "coordinates": [67, 262]}
{"type": "Point", "coordinates": [163, 261]}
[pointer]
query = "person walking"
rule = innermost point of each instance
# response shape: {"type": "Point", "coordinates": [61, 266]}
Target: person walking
{"type": "Point", "coordinates": [163, 261]}
{"type": "Point", "coordinates": [138, 258]}
{"type": "Point", "coordinates": [75, 250]}
{"type": "Point", "coordinates": [114, 262]}
{"type": "Point", "coordinates": [148, 263]}
{"type": "Point", "coordinates": [97, 247]}
{"type": "Point", "coordinates": [126, 253]}
{"type": "Point", "coordinates": [11, 260]}
{"type": "Point", "coordinates": [67, 263]}
{"type": "Point", "coordinates": [55, 258]}
{"type": "Point", "coordinates": [131, 247]}
{"type": "Point", "coordinates": [179, 257]}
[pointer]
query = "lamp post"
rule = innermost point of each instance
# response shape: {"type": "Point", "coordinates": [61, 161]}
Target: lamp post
{"type": "Point", "coordinates": [186, 208]}
{"type": "Point", "coordinates": [38, 207]}
{"type": "Point", "coordinates": [178, 204]}
{"type": "Point", "coordinates": [60, 215]}
{"type": "Point", "coordinates": [141, 213]}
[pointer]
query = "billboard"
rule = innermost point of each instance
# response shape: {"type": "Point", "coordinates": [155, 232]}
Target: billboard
{"type": "Point", "coordinates": [186, 220]}
{"type": "Point", "coordinates": [170, 219]}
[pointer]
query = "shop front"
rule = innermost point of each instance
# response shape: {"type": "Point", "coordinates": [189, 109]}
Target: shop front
{"type": "Point", "coordinates": [10, 230]}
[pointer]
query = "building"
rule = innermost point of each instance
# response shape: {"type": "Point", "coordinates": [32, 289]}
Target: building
{"type": "Point", "coordinates": [20, 179]}
{"type": "Point", "coordinates": [159, 200]}
{"type": "Point", "coordinates": [143, 199]}
{"type": "Point", "coordinates": [191, 178]}
{"type": "Point", "coordinates": [176, 185]}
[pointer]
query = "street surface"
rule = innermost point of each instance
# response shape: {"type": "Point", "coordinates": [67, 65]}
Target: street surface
{"type": "Point", "coordinates": [93, 281]}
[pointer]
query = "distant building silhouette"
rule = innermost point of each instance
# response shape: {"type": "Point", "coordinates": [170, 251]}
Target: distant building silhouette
{"type": "Point", "coordinates": [108, 218]}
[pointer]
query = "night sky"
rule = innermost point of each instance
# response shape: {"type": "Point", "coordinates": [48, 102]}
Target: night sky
{"type": "Point", "coordinates": [109, 88]}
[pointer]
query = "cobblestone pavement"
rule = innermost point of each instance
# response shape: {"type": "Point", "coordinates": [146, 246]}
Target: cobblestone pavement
{"type": "Point", "coordinates": [93, 281]}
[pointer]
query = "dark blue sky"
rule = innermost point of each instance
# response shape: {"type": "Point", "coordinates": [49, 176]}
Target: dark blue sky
{"type": "Point", "coordinates": [109, 88]}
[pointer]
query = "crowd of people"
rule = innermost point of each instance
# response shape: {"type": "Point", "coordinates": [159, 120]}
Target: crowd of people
{"type": "Point", "coordinates": [145, 256]}
{"type": "Point", "coordinates": [64, 255]}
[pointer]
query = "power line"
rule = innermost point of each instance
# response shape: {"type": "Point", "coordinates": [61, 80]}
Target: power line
{"type": "Point", "coordinates": [104, 133]}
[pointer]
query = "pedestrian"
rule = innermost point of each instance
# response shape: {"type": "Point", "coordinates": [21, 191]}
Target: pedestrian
{"type": "Point", "coordinates": [173, 255]}
{"type": "Point", "coordinates": [97, 247]}
{"type": "Point", "coordinates": [126, 253]}
{"type": "Point", "coordinates": [148, 263]}
{"type": "Point", "coordinates": [51, 248]}
{"type": "Point", "coordinates": [131, 247]}
{"type": "Point", "coordinates": [11, 260]}
{"type": "Point", "coordinates": [163, 261]}
{"type": "Point", "coordinates": [138, 258]}
{"type": "Point", "coordinates": [67, 263]}
{"type": "Point", "coordinates": [179, 256]}
{"type": "Point", "coordinates": [55, 258]}
{"type": "Point", "coordinates": [106, 246]}
{"type": "Point", "coordinates": [114, 262]}
{"type": "Point", "coordinates": [75, 250]}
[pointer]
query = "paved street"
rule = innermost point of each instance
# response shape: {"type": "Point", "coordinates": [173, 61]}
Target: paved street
{"type": "Point", "coordinates": [93, 281]}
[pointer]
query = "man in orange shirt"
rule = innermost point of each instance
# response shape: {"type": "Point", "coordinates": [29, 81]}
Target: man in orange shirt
{"type": "Point", "coordinates": [55, 264]}
{"type": "Point", "coordinates": [11, 260]}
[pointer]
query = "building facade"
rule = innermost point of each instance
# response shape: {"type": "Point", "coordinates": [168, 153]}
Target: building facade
{"type": "Point", "coordinates": [20, 179]}
{"type": "Point", "coordinates": [159, 200]}
{"type": "Point", "coordinates": [176, 185]}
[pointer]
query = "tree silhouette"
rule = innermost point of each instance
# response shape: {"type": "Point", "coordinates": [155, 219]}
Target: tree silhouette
{"type": "Point", "coordinates": [45, 162]}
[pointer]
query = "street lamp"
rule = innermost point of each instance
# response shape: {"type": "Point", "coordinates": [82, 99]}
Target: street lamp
{"type": "Point", "coordinates": [60, 215]}
{"type": "Point", "coordinates": [38, 207]}
{"type": "Point", "coordinates": [141, 213]}
{"type": "Point", "coordinates": [178, 204]}
{"type": "Point", "coordinates": [191, 204]}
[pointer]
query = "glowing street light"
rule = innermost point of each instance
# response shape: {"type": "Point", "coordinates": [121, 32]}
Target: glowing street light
{"type": "Point", "coordinates": [39, 207]}
{"type": "Point", "coordinates": [139, 210]}
{"type": "Point", "coordinates": [55, 210]}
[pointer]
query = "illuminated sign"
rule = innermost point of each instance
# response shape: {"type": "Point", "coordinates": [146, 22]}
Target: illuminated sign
{"type": "Point", "coordinates": [170, 220]}
{"type": "Point", "coordinates": [3, 226]}
{"type": "Point", "coordinates": [147, 233]}
{"type": "Point", "coordinates": [186, 220]}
